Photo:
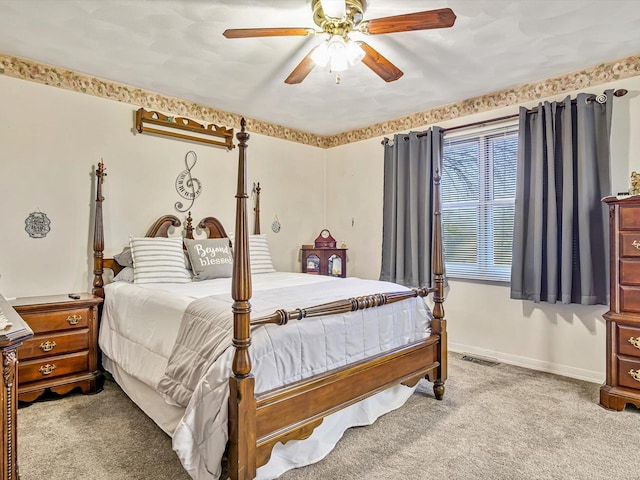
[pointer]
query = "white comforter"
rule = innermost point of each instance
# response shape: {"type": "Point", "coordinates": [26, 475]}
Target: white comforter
{"type": "Point", "coordinates": [139, 334]}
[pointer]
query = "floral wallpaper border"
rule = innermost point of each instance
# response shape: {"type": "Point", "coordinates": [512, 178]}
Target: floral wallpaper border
{"type": "Point", "coordinates": [59, 77]}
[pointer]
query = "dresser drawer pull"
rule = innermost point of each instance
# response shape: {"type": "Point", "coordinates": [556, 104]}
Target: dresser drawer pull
{"type": "Point", "coordinates": [635, 374]}
{"type": "Point", "coordinates": [635, 342]}
{"type": "Point", "coordinates": [636, 244]}
{"type": "Point", "coordinates": [47, 369]}
{"type": "Point", "coordinates": [47, 346]}
{"type": "Point", "coordinates": [74, 319]}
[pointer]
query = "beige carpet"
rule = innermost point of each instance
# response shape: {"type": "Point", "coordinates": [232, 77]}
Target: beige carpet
{"type": "Point", "coordinates": [499, 422]}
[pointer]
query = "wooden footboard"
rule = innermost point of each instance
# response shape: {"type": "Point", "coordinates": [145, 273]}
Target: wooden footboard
{"type": "Point", "coordinates": [292, 412]}
{"type": "Point", "coordinates": [257, 423]}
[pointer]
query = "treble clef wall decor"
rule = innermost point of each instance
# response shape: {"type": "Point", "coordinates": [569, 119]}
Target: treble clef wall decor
{"type": "Point", "coordinates": [187, 186]}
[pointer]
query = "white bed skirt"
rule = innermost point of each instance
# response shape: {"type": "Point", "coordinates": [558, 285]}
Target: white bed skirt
{"type": "Point", "coordinates": [293, 454]}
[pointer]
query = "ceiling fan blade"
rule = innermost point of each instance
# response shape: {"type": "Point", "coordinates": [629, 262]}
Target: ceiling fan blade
{"type": "Point", "coordinates": [268, 32]}
{"type": "Point", "coordinates": [302, 70]}
{"type": "Point", "coordinates": [442, 18]}
{"type": "Point", "coordinates": [334, 8]}
{"type": "Point", "coordinates": [379, 64]}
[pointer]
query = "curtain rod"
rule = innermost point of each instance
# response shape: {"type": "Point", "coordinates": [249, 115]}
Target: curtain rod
{"type": "Point", "coordinates": [621, 92]}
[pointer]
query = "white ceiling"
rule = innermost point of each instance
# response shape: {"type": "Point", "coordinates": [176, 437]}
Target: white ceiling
{"type": "Point", "coordinates": [176, 47]}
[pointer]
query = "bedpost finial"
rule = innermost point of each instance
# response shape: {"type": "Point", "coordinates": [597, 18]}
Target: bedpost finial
{"type": "Point", "coordinates": [243, 135]}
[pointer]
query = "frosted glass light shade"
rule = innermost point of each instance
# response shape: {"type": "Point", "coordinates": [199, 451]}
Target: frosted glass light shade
{"type": "Point", "coordinates": [354, 52]}
{"type": "Point", "coordinates": [320, 54]}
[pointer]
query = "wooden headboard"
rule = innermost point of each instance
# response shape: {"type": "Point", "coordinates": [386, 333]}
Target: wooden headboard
{"type": "Point", "coordinates": [160, 228]}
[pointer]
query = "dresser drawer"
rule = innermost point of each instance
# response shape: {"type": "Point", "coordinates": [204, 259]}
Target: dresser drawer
{"type": "Point", "coordinates": [629, 299]}
{"type": "Point", "coordinates": [630, 272]}
{"type": "Point", "coordinates": [629, 217]}
{"type": "Point", "coordinates": [629, 341]}
{"type": "Point", "coordinates": [32, 370]}
{"type": "Point", "coordinates": [627, 370]}
{"type": "Point", "coordinates": [50, 321]}
{"type": "Point", "coordinates": [50, 344]}
{"type": "Point", "coordinates": [629, 244]}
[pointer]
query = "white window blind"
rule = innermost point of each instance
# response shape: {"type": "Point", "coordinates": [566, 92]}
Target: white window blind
{"type": "Point", "coordinates": [478, 198]}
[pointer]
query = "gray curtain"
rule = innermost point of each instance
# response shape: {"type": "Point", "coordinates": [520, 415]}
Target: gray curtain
{"type": "Point", "coordinates": [409, 165]}
{"type": "Point", "coordinates": [560, 240]}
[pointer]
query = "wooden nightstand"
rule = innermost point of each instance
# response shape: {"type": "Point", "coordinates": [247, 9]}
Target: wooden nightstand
{"type": "Point", "coordinates": [63, 354]}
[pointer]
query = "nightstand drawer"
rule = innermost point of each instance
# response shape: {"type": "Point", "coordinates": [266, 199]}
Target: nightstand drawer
{"type": "Point", "coordinates": [32, 370]}
{"type": "Point", "coordinates": [50, 344]}
{"type": "Point", "coordinates": [63, 320]}
{"type": "Point", "coordinates": [629, 373]}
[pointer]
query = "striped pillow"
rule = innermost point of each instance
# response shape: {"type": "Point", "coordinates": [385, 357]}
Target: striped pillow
{"type": "Point", "coordinates": [259, 254]}
{"type": "Point", "coordinates": [158, 260]}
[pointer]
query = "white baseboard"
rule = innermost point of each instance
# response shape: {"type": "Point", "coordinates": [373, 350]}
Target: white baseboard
{"type": "Point", "coordinates": [533, 364]}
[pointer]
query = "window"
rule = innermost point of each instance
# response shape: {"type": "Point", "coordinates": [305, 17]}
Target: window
{"type": "Point", "coordinates": [478, 199]}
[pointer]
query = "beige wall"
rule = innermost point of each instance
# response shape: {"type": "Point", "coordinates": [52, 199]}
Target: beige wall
{"type": "Point", "coordinates": [51, 138]}
{"type": "Point", "coordinates": [566, 339]}
{"type": "Point", "coordinates": [50, 141]}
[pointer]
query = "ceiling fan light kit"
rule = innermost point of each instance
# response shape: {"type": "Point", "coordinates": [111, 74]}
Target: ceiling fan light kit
{"type": "Point", "coordinates": [337, 18]}
{"type": "Point", "coordinates": [338, 53]}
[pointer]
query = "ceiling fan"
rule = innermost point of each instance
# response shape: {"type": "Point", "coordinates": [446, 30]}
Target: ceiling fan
{"type": "Point", "coordinates": [338, 18]}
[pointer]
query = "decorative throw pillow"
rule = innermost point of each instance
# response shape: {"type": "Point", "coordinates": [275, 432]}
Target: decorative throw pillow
{"type": "Point", "coordinates": [158, 260]}
{"type": "Point", "coordinates": [124, 258]}
{"type": "Point", "coordinates": [210, 258]}
{"type": "Point", "coordinates": [259, 254]}
{"type": "Point", "coordinates": [125, 275]}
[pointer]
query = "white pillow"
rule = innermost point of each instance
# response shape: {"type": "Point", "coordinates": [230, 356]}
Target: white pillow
{"type": "Point", "coordinates": [125, 275]}
{"type": "Point", "coordinates": [259, 254]}
{"type": "Point", "coordinates": [158, 260]}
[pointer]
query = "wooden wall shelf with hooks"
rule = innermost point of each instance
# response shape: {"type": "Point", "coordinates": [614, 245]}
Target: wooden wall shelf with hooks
{"type": "Point", "coordinates": [197, 132]}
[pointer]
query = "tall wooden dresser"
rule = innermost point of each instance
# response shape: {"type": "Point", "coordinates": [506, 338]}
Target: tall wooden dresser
{"type": "Point", "coordinates": [623, 318]}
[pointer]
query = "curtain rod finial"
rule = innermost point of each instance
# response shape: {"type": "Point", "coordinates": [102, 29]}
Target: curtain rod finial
{"type": "Point", "coordinates": [621, 92]}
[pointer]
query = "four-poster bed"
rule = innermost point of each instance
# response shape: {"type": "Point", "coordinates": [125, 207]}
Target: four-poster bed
{"type": "Point", "coordinates": [265, 413]}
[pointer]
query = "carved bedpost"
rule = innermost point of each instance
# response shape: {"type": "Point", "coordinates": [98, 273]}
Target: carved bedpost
{"type": "Point", "coordinates": [242, 403]}
{"type": "Point", "coordinates": [98, 234]}
{"type": "Point", "coordinates": [188, 227]}
{"type": "Point", "coordinates": [439, 323]}
{"type": "Point", "coordinates": [256, 221]}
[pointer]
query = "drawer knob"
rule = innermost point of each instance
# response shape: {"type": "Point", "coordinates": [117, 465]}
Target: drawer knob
{"type": "Point", "coordinates": [74, 319]}
{"type": "Point", "coordinates": [635, 342]}
{"type": "Point", "coordinates": [636, 244]}
{"type": "Point", "coordinates": [635, 374]}
{"type": "Point", "coordinates": [47, 346]}
{"type": "Point", "coordinates": [47, 369]}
